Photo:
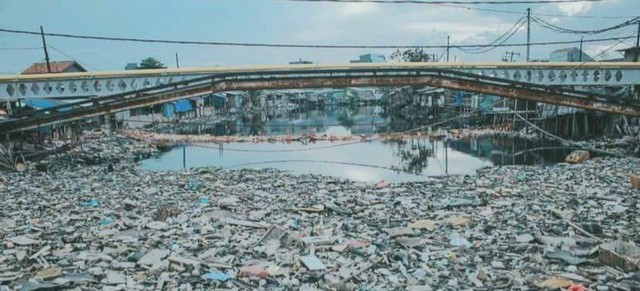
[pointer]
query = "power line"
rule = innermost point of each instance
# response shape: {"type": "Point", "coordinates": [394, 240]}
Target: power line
{"type": "Point", "coordinates": [243, 165]}
{"type": "Point", "coordinates": [500, 40]}
{"type": "Point", "coordinates": [75, 59]}
{"type": "Point", "coordinates": [610, 47]}
{"type": "Point", "coordinates": [559, 29]}
{"type": "Point", "coordinates": [315, 46]}
{"type": "Point", "coordinates": [540, 14]}
{"type": "Point", "coordinates": [450, 1]}
{"type": "Point", "coordinates": [459, 6]}
{"type": "Point", "coordinates": [19, 48]}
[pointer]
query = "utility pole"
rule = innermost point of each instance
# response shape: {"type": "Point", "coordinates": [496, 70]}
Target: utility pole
{"type": "Point", "coordinates": [46, 53]}
{"type": "Point", "coordinates": [580, 57]}
{"type": "Point", "coordinates": [528, 33]}
{"type": "Point", "coordinates": [177, 62]}
{"type": "Point", "coordinates": [638, 43]}
{"type": "Point", "coordinates": [447, 48]}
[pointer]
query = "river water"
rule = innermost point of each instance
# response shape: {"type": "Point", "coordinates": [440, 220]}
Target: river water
{"type": "Point", "coordinates": [395, 161]}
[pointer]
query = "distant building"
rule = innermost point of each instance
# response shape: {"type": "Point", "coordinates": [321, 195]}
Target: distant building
{"type": "Point", "coordinates": [569, 55]}
{"type": "Point", "coordinates": [134, 66]}
{"type": "Point", "coordinates": [370, 58]}
{"type": "Point", "coordinates": [300, 62]}
{"type": "Point", "coordinates": [56, 67]}
{"type": "Point", "coordinates": [131, 66]}
{"type": "Point", "coordinates": [630, 54]}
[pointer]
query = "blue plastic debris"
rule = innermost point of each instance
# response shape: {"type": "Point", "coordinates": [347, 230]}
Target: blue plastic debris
{"type": "Point", "coordinates": [456, 240]}
{"type": "Point", "coordinates": [215, 275]}
{"type": "Point", "coordinates": [203, 200]}
{"type": "Point", "coordinates": [106, 221]}
{"type": "Point", "coordinates": [90, 203]}
{"type": "Point", "coordinates": [193, 184]}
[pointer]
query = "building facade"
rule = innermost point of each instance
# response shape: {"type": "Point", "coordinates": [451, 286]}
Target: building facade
{"type": "Point", "coordinates": [370, 58]}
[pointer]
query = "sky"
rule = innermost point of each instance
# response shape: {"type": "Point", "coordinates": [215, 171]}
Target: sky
{"type": "Point", "coordinates": [278, 21]}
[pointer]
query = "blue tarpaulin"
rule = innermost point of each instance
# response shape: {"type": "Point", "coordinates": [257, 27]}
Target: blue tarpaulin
{"type": "Point", "coordinates": [168, 109]}
{"type": "Point", "coordinates": [458, 98]}
{"type": "Point", "coordinates": [487, 102]}
{"type": "Point", "coordinates": [183, 106]}
{"type": "Point", "coordinates": [45, 103]}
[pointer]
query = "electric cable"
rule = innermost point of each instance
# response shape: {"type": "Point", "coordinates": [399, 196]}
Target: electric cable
{"type": "Point", "coordinates": [284, 45]}
{"type": "Point", "coordinates": [559, 29]}
{"type": "Point", "coordinates": [566, 141]}
{"type": "Point", "coordinates": [538, 14]}
{"type": "Point", "coordinates": [324, 162]}
{"type": "Point", "coordinates": [68, 56]}
{"type": "Point", "coordinates": [500, 41]}
{"type": "Point", "coordinates": [19, 48]}
{"type": "Point", "coordinates": [468, 2]}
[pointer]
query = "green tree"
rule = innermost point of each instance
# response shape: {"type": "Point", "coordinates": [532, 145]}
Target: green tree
{"type": "Point", "coordinates": [254, 97]}
{"type": "Point", "coordinates": [414, 55]}
{"type": "Point", "coordinates": [352, 96]}
{"type": "Point", "coordinates": [254, 125]}
{"type": "Point", "coordinates": [151, 63]}
{"type": "Point", "coordinates": [345, 120]}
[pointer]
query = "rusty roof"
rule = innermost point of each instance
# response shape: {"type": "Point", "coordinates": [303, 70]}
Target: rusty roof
{"type": "Point", "coordinates": [56, 67]}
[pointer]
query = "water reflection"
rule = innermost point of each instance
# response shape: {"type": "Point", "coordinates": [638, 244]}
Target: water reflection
{"type": "Point", "coordinates": [253, 125]}
{"type": "Point", "coordinates": [328, 120]}
{"type": "Point", "coordinates": [501, 150]}
{"type": "Point", "coordinates": [407, 160]}
{"type": "Point", "coordinates": [413, 154]}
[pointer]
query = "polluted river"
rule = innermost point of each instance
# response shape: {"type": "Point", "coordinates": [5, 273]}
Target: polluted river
{"type": "Point", "coordinates": [409, 159]}
{"type": "Point", "coordinates": [473, 209]}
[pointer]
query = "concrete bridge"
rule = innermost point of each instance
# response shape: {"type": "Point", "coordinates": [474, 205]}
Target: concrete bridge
{"type": "Point", "coordinates": [111, 92]}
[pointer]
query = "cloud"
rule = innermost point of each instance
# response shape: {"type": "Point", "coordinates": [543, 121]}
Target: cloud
{"type": "Point", "coordinates": [574, 8]}
{"type": "Point", "coordinates": [359, 9]}
{"type": "Point", "coordinates": [459, 30]}
{"type": "Point", "coordinates": [398, 25]}
{"type": "Point", "coordinates": [604, 51]}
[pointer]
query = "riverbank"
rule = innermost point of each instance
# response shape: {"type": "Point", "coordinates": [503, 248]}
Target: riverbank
{"type": "Point", "coordinates": [111, 225]}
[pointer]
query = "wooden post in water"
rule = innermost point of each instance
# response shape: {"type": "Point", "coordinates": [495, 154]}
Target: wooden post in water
{"type": "Point", "coordinates": [446, 158]}
{"type": "Point", "coordinates": [515, 111]}
{"type": "Point", "coordinates": [586, 124]}
{"type": "Point", "coordinates": [574, 126]}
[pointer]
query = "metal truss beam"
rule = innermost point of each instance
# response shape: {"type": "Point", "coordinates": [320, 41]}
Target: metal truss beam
{"type": "Point", "coordinates": [96, 84]}
{"type": "Point", "coordinates": [334, 79]}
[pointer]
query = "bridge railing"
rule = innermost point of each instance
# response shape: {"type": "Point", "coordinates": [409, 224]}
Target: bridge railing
{"type": "Point", "coordinates": [102, 84]}
{"type": "Point", "coordinates": [306, 79]}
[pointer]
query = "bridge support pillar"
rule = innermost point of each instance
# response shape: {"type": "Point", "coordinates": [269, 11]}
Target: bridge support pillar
{"type": "Point", "coordinates": [107, 122]}
{"type": "Point", "coordinates": [9, 108]}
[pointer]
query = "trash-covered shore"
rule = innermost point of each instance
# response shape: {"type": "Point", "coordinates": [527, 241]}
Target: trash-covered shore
{"type": "Point", "coordinates": [107, 225]}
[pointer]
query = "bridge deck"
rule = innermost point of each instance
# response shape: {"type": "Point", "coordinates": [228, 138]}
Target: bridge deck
{"type": "Point", "coordinates": [85, 84]}
{"type": "Point", "coordinates": [335, 78]}
{"type": "Point", "coordinates": [264, 68]}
